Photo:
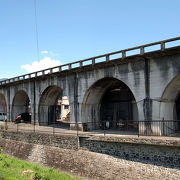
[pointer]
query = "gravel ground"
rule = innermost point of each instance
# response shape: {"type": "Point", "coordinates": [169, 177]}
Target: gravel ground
{"type": "Point", "coordinates": [101, 166]}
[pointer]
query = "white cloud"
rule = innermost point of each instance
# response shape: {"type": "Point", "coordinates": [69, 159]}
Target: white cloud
{"type": "Point", "coordinates": [51, 53]}
{"type": "Point", "coordinates": [45, 63]}
{"type": "Point", "coordinates": [44, 52]}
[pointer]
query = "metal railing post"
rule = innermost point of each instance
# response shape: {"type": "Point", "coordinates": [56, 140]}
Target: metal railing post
{"type": "Point", "coordinates": [138, 129]}
{"type": "Point", "coordinates": [77, 129]}
{"type": "Point", "coordinates": [53, 130]}
{"type": "Point", "coordinates": [34, 127]}
{"type": "Point", "coordinates": [126, 125]}
{"type": "Point", "coordinates": [163, 126]}
{"type": "Point", "coordinates": [104, 127]}
{"type": "Point", "coordinates": [17, 127]}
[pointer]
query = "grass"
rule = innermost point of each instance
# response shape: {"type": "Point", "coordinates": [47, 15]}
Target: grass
{"type": "Point", "coordinates": [15, 169]}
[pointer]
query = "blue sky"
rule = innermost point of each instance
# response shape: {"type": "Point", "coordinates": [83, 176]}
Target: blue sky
{"type": "Point", "coordinates": [70, 30]}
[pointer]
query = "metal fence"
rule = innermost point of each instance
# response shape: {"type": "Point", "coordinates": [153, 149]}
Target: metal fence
{"type": "Point", "coordinates": [126, 127]}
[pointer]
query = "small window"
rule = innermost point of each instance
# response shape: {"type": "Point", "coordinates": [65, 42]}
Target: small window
{"type": "Point", "coordinates": [66, 106]}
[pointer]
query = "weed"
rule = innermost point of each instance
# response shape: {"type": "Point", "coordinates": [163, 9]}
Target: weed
{"type": "Point", "coordinates": [36, 168]}
{"type": "Point", "coordinates": [46, 178]}
{"type": "Point", "coordinates": [51, 170]}
{"type": "Point", "coordinates": [1, 176]}
{"type": "Point", "coordinates": [37, 176]}
{"type": "Point", "coordinates": [6, 165]}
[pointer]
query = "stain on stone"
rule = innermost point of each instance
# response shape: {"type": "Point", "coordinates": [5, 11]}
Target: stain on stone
{"type": "Point", "coordinates": [136, 76]}
{"type": "Point", "coordinates": [137, 66]}
{"type": "Point", "coordinates": [163, 65]}
{"type": "Point", "coordinates": [123, 68]}
{"type": "Point", "coordinates": [175, 64]}
{"type": "Point", "coordinates": [108, 72]}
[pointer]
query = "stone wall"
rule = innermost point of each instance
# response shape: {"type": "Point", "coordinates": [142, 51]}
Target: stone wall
{"type": "Point", "coordinates": [62, 141]}
{"type": "Point", "coordinates": [159, 152]}
{"type": "Point", "coordinates": [163, 151]}
{"type": "Point", "coordinates": [87, 164]}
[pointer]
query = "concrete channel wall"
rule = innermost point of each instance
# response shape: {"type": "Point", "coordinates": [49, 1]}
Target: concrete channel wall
{"type": "Point", "coordinates": [159, 151]}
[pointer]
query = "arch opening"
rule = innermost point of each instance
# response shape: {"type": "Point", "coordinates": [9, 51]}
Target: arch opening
{"type": "Point", "coordinates": [54, 107]}
{"type": "Point", "coordinates": [3, 109]}
{"type": "Point", "coordinates": [170, 107]}
{"type": "Point", "coordinates": [21, 107]}
{"type": "Point", "coordinates": [109, 102]}
{"type": "Point", "coordinates": [177, 112]}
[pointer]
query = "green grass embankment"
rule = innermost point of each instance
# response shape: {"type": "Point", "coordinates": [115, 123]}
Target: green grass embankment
{"type": "Point", "coordinates": [15, 169]}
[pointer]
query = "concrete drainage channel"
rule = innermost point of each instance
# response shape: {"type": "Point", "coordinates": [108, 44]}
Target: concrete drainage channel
{"type": "Point", "coordinates": [84, 156]}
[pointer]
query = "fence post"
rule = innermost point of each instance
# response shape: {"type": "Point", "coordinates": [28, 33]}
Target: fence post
{"type": "Point", "coordinates": [6, 125]}
{"type": "Point", "coordinates": [104, 127]}
{"type": "Point", "coordinates": [34, 127]}
{"type": "Point", "coordinates": [17, 127]}
{"type": "Point", "coordinates": [138, 128]}
{"type": "Point", "coordinates": [77, 128]}
{"type": "Point", "coordinates": [53, 130]}
{"type": "Point", "coordinates": [126, 121]}
{"type": "Point", "coordinates": [163, 126]}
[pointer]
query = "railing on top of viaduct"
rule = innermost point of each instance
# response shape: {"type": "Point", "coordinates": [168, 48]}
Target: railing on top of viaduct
{"type": "Point", "coordinates": [122, 54]}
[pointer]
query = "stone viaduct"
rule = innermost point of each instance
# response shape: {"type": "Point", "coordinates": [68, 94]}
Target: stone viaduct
{"type": "Point", "coordinates": [139, 84]}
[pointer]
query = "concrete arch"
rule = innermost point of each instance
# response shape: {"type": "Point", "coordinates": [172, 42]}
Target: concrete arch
{"type": "Point", "coordinates": [94, 100]}
{"type": "Point", "coordinates": [49, 99]}
{"type": "Point", "coordinates": [168, 104]}
{"type": "Point", "coordinates": [168, 99]}
{"type": "Point", "coordinates": [20, 104]}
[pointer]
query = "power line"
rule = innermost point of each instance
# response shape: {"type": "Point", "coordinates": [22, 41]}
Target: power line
{"type": "Point", "coordinates": [36, 29]}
